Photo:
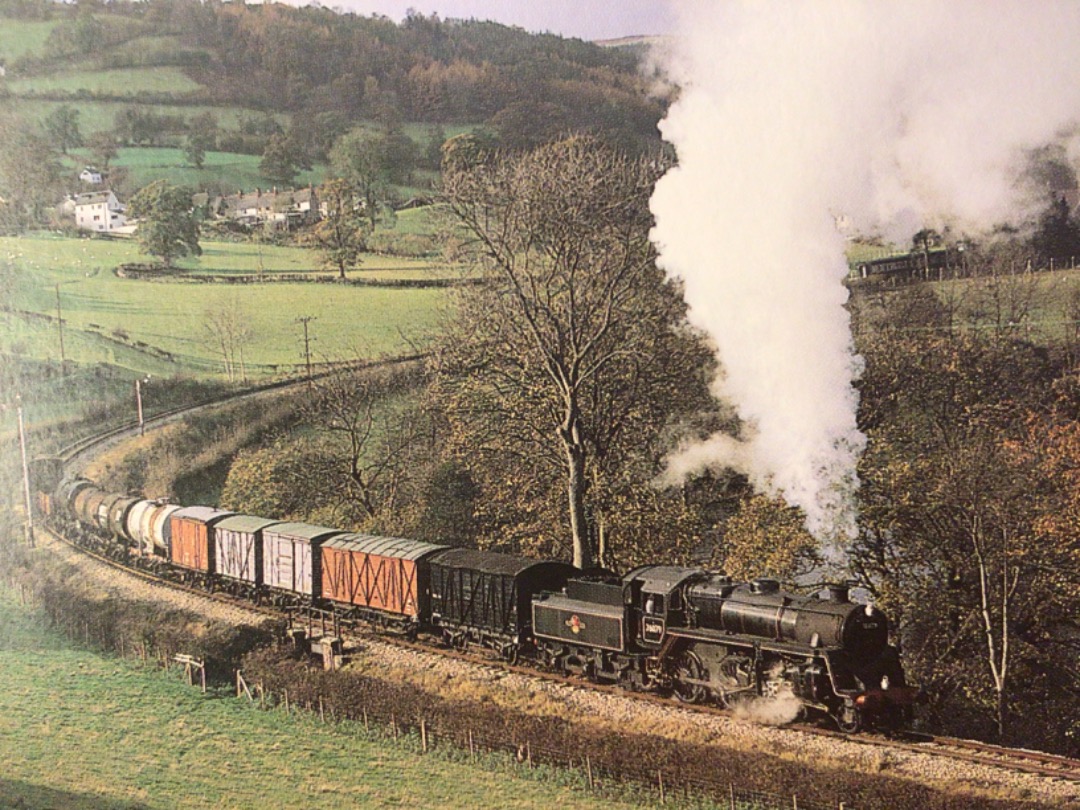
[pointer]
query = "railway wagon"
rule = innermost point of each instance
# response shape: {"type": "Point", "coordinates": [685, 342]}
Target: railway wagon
{"type": "Point", "coordinates": [486, 597]}
{"type": "Point", "coordinates": [160, 532]}
{"type": "Point", "coordinates": [117, 518]}
{"type": "Point", "coordinates": [387, 580]}
{"type": "Point", "coordinates": [291, 559]}
{"type": "Point", "coordinates": [92, 507]}
{"type": "Point", "coordinates": [43, 503]}
{"type": "Point", "coordinates": [238, 548]}
{"type": "Point", "coordinates": [146, 526]}
{"type": "Point", "coordinates": [190, 537]}
{"type": "Point", "coordinates": [64, 502]}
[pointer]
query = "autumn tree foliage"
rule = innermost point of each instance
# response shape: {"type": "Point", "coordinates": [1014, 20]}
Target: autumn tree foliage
{"type": "Point", "coordinates": [562, 371]}
{"type": "Point", "coordinates": [341, 234]}
{"type": "Point", "coordinates": [961, 533]}
{"type": "Point", "coordinates": [167, 226]}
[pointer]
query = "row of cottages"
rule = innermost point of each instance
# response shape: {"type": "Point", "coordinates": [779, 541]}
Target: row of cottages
{"type": "Point", "coordinates": [279, 208]}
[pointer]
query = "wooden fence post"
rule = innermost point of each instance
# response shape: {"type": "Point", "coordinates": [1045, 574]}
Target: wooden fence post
{"type": "Point", "coordinates": [472, 750]}
{"type": "Point", "coordinates": [366, 726]}
{"type": "Point", "coordinates": [588, 771]}
{"type": "Point", "coordinates": [660, 779]}
{"type": "Point", "coordinates": [423, 735]}
{"type": "Point", "coordinates": [322, 712]}
{"type": "Point", "coordinates": [731, 790]}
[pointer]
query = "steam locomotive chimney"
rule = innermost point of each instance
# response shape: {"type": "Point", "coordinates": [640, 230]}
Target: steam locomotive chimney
{"type": "Point", "coordinates": [838, 593]}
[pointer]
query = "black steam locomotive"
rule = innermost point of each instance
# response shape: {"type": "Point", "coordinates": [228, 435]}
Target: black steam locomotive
{"type": "Point", "coordinates": [707, 638]}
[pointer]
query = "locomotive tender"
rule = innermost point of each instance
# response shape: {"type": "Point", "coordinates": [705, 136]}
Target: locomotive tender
{"type": "Point", "coordinates": [685, 631]}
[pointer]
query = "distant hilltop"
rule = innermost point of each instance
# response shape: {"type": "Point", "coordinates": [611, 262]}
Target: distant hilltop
{"type": "Point", "coordinates": [633, 41]}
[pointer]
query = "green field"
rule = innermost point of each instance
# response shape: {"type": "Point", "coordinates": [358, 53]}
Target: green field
{"type": "Point", "coordinates": [95, 116]}
{"type": "Point", "coordinates": [231, 171]}
{"type": "Point", "coordinates": [21, 37]}
{"type": "Point", "coordinates": [107, 318]}
{"type": "Point", "coordinates": [227, 169]}
{"type": "Point", "coordinates": [81, 731]}
{"type": "Point", "coordinates": [123, 82]}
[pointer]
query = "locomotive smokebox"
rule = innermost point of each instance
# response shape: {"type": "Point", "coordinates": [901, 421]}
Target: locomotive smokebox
{"type": "Point", "coordinates": [839, 593]}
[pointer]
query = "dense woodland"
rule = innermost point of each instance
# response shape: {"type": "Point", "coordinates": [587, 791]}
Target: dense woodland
{"type": "Point", "coordinates": [332, 68]}
{"type": "Point", "coordinates": [542, 416]}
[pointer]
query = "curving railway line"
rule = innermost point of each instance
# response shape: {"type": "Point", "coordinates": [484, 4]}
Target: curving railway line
{"type": "Point", "coordinates": [1036, 763]}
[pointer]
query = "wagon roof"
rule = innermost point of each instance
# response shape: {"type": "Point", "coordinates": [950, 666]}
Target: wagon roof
{"type": "Point", "coordinates": [395, 547]}
{"type": "Point", "coordinates": [246, 523]}
{"type": "Point", "coordinates": [303, 531]}
{"type": "Point", "coordinates": [491, 562]}
{"type": "Point", "coordinates": [201, 514]}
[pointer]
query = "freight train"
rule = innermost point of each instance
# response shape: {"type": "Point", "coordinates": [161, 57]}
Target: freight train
{"type": "Point", "coordinates": [683, 631]}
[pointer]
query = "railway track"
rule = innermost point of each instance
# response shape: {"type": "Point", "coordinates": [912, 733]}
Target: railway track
{"type": "Point", "coordinates": [73, 454]}
{"type": "Point", "coordinates": [1010, 759]}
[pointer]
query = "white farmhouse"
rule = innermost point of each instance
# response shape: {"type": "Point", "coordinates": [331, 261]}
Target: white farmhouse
{"type": "Point", "coordinates": [91, 175]}
{"type": "Point", "coordinates": [98, 211]}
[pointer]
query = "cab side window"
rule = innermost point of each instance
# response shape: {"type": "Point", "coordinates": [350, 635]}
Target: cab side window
{"type": "Point", "coordinates": [654, 604]}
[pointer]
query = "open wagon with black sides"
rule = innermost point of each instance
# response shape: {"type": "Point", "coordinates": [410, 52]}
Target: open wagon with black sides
{"type": "Point", "coordinates": [383, 580]}
{"type": "Point", "coordinates": [292, 563]}
{"type": "Point", "coordinates": [485, 597]}
{"type": "Point", "coordinates": [191, 540]}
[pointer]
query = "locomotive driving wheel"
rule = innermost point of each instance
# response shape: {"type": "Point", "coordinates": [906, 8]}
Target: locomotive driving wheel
{"type": "Point", "coordinates": [735, 678]}
{"type": "Point", "coordinates": [688, 668]}
{"type": "Point", "coordinates": [849, 719]}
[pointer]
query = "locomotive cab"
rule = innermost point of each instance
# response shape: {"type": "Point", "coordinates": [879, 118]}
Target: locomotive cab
{"type": "Point", "coordinates": [654, 594]}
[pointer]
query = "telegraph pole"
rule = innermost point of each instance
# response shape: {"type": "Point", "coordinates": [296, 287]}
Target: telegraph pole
{"type": "Point", "coordinates": [60, 330]}
{"type": "Point", "coordinates": [138, 404]}
{"type": "Point", "coordinates": [307, 344]}
{"type": "Point", "coordinates": [26, 476]}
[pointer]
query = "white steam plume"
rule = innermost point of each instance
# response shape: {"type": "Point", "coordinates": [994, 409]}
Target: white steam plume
{"type": "Point", "coordinates": [899, 115]}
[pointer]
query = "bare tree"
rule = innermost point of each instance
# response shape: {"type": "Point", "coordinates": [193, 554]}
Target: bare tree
{"type": "Point", "coordinates": [228, 331]}
{"type": "Point", "coordinates": [573, 348]}
{"type": "Point", "coordinates": [371, 440]}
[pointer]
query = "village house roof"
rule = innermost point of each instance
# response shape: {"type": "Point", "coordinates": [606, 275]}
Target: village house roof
{"type": "Point", "coordinates": [94, 197]}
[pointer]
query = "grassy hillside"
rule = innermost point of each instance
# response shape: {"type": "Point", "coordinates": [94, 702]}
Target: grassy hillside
{"type": "Point", "coordinates": [20, 38]}
{"type": "Point", "coordinates": [81, 731]}
{"type": "Point", "coordinates": [95, 116]}
{"type": "Point", "coordinates": [123, 82]}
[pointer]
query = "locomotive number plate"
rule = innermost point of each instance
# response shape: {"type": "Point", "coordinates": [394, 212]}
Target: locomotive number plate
{"type": "Point", "coordinates": [652, 630]}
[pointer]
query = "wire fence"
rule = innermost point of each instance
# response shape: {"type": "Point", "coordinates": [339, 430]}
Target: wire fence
{"type": "Point", "coordinates": [599, 776]}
